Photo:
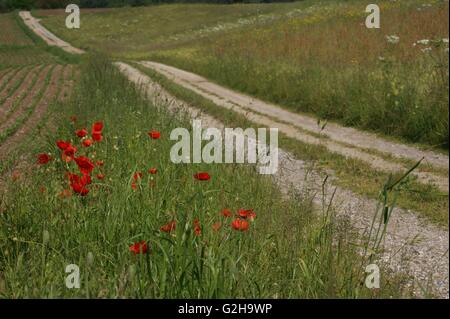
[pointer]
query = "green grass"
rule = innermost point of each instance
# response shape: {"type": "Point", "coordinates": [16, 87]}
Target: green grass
{"type": "Point", "coordinates": [352, 174]}
{"type": "Point", "coordinates": [288, 252]}
{"type": "Point", "coordinates": [309, 56]}
{"type": "Point", "coordinates": [293, 249]}
{"type": "Point", "coordinates": [19, 46]}
{"type": "Point", "coordinates": [115, 30]}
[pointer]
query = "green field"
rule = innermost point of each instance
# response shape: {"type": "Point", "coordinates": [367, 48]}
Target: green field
{"type": "Point", "coordinates": [309, 56]}
{"type": "Point", "coordinates": [138, 225]}
{"type": "Point", "coordinates": [312, 57]}
{"type": "Point", "coordinates": [20, 47]}
{"type": "Point", "coordinates": [46, 225]}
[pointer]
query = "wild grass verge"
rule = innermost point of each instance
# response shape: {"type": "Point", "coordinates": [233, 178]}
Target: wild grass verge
{"type": "Point", "coordinates": [288, 250]}
{"type": "Point", "coordinates": [353, 174]}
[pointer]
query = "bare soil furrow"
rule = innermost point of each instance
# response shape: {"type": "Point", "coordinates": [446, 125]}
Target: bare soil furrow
{"type": "Point", "coordinates": [21, 91]}
{"type": "Point", "coordinates": [29, 124]}
{"type": "Point", "coordinates": [28, 100]}
{"type": "Point", "coordinates": [6, 75]}
{"type": "Point", "coordinates": [12, 81]}
{"type": "Point", "coordinates": [69, 79]}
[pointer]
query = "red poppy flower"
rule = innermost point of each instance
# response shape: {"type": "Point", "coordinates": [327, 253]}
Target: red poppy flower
{"type": "Point", "coordinates": [97, 137]}
{"type": "Point", "coordinates": [100, 163]}
{"type": "Point", "coordinates": [247, 213]}
{"type": "Point", "coordinates": [169, 227]}
{"type": "Point", "coordinates": [85, 179]}
{"type": "Point", "coordinates": [138, 248]}
{"type": "Point", "coordinates": [202, 176]}
{"type": "Point", "coordinates": [154, 134]}
{"type": "Point", "coordinates": [226, 213]}
{"type": "Point", "coordinates": [84, 164]}
{"type": "Point", "coordinates": [62, 145]}
{"type": "Point", "coordinates": [197, 229]}
{"type": "Point", "coordinates": [153, 171]}
{"type": "Point", "coordinates": [217, 226]}
{"type": "Point", "coordinates": [240, 224]}
{"type": "Point", "coordinates": [97, 127]}
{"type": "Point", "coordinates": [43, 158]}
{"type": "Point", "coordinates": [81, 133]}
{"type": "Point", "coordinates": [137, 175]}
{"type": "Point", "coordinates": [100, 176]}
{"type": "Point", "coordinates": [69, 153]}
{"type": "Point", "coordinates": [87, 142]}
{"type": "Point", "coordinates": [79, 184]}
{"type": "Point", "coordinates": [133, 185]}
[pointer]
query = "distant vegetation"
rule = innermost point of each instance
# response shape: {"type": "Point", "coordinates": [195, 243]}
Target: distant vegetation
{"type": "Point", "coordinates": [7, 5]}
{"type": "Point", "coordinates": [308, 56]}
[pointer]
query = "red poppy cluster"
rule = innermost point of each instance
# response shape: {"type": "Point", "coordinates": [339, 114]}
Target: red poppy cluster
{"type": "Point", "coordinates": [96, 131]}
{"type": "Point", "coordinates": [79, 182]}
{"type": "Point", "coordinates": [243, 216]}
{"type": "Point", "coordinates": [69, 153]}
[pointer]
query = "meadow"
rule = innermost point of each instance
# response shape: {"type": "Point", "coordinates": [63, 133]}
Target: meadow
{"type": "Point", "coordinates": [145, 227]}
{"type": "Point", "coordinates": [313, 57]}
{"type": "Point", "coordinates": [309, 56]}
{"type": "Point", "coordinates": [90, 181]}
{"type": "Point", "coordinates": [19, 47]}
{"type": "Point", "coordinates": [141, 226]}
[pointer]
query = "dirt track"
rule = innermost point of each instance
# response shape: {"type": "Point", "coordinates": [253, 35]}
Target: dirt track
{"type": "Point", "coordinates": [345, 141]}
{"type": "Point", "coordinates": [46, 35]}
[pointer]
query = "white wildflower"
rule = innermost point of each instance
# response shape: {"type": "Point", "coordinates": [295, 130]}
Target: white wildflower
{"type": "Point", "coordinates": [426, 50]}
{"type": "Point", "coordinates": [392, 39]}
{"type": "Point", "coordinates": [423, 41]}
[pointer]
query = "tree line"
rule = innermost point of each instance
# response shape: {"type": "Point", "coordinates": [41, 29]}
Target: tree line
{"type": "Point", "coordinates": [8, 5]}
